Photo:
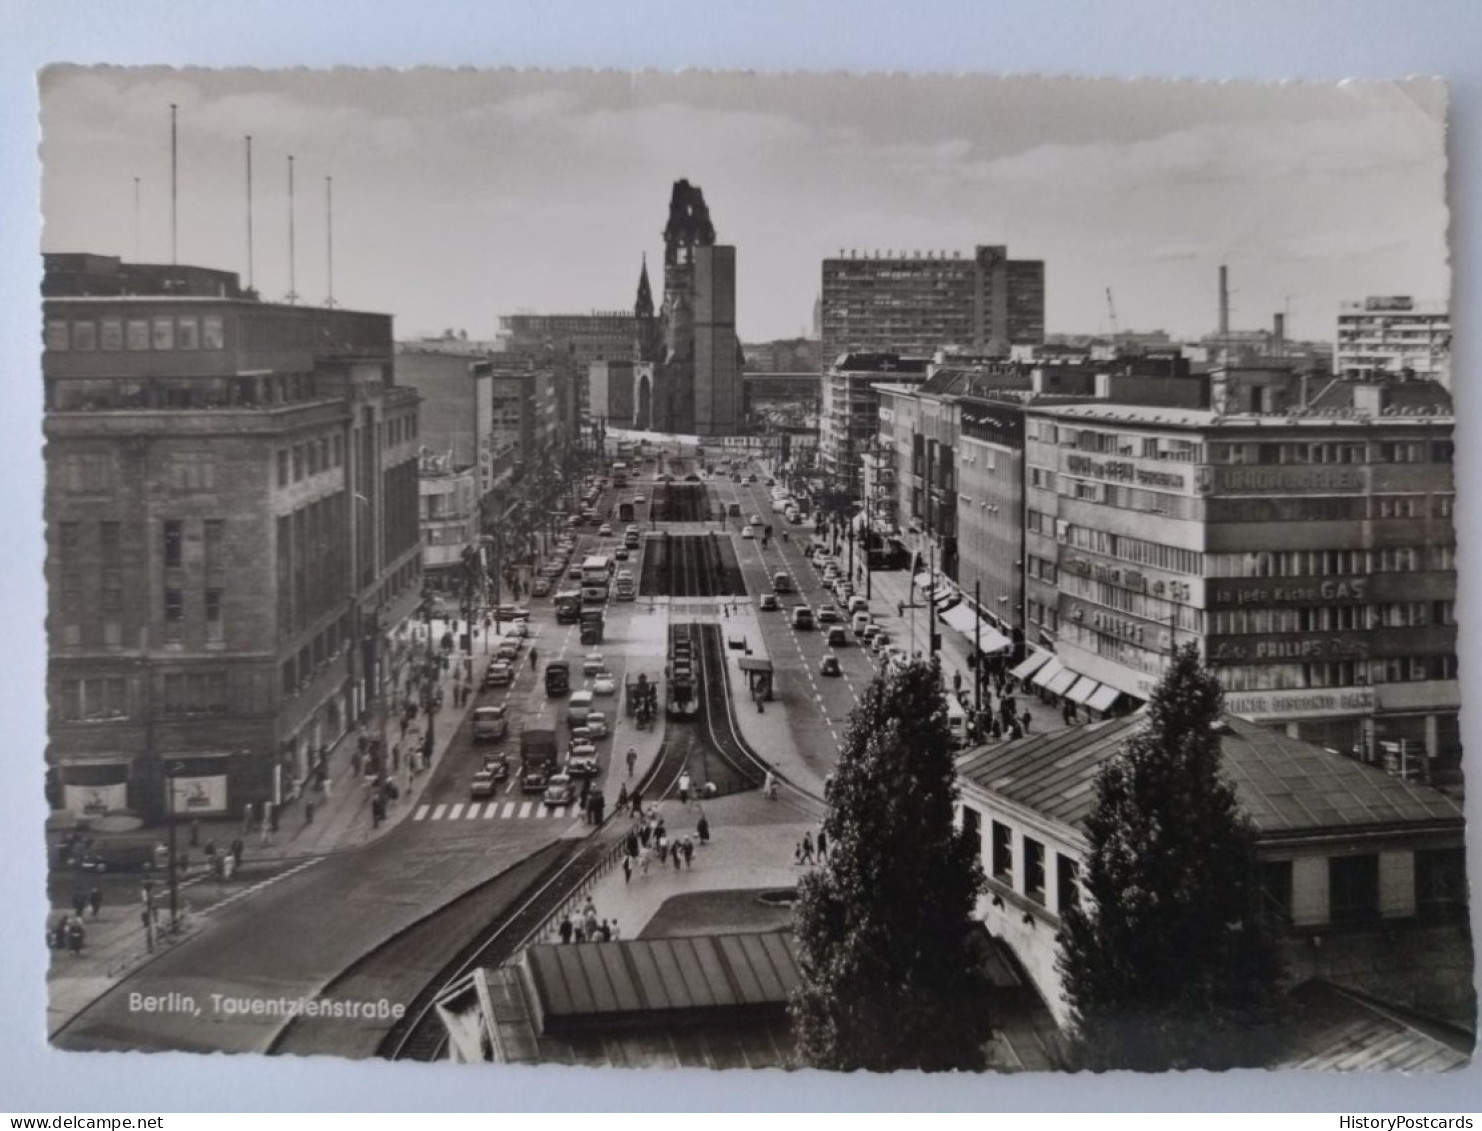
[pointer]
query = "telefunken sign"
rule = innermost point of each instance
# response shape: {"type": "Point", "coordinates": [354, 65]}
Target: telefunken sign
{"type": "Point", "coordinates": [1292, 704]}
{"type": "Point", "coordinates": [1124, 471]}
{"type": "Point", "coordinates": [1248, 480]}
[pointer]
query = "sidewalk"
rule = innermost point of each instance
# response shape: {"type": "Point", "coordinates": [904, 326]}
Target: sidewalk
{"type": "Point", "coordinates": [116, 941]}
{"type": "Point", "coordinates": [894, 587]}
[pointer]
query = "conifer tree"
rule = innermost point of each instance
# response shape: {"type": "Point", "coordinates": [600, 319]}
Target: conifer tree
{"type": "Point", "coordinates": [1170, 962]}
{"type": "Point", "coordinates": [890, 977]}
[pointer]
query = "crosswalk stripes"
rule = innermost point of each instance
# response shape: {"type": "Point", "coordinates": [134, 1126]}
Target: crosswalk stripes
{"type": "Point", "coordinates": [523, 810]}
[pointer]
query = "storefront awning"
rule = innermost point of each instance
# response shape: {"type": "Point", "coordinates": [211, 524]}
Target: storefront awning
{"type": "Point", "coordinates": [1032, 664]}
{"type": "Point", "coordinates": [1082, 689]}
{"type": "Point", "coordinates": [965, 621]}
{"type": "Point", "coordinates": [1060, 682]}
{"type": "Point", "coordinates": [1048, 671]}
{"type": "Point", "coordinates": [1102, 698]}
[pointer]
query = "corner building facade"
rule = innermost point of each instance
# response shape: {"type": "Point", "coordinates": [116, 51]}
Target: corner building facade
{"type": "Point", "coordinates": [232, 537]}
{"type": "Point", "coordinates": [1310, 553]}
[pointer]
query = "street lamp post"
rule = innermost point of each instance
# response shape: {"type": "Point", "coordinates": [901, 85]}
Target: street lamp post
{"type": "Point", "coordinates": [171, 773]}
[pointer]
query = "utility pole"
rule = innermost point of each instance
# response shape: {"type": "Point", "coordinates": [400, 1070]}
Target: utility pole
{"type": "Point", "coordinates": [977, 646]}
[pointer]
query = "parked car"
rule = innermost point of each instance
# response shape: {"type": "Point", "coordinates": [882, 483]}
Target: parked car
{"type": "Point", "coordinates": [597, 724]}
{"type": "Point", "coordinates": [541, 587]}
{"type": "Point", "coordinates": [560, 791]}
{"type": "Point", "coordinates": [620, 554]}
{"type": "Point", "coordinates": [518, 629]}
{"type": "Point", "coordinates": [490, 724]}
{"type": "Point", "coordinates": [483, 784]}
{"type": "Point", "coordinates": [499, 674]}
{"type": "Point", "coordinates": [604, 684]}
{"type": "Point", "coordinates": [507, 650]}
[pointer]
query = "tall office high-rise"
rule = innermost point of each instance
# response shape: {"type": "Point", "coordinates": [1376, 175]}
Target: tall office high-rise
{"type": "Point", "coordinates": [917, 304]}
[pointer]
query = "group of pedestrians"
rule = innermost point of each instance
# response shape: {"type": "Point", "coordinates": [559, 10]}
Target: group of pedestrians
{"type": "Point", "coordinates": [648, 843]}
{"type": "Point", "coordinates": [585, 927]}
{"type": "Point", "coordinates": [808, 850]}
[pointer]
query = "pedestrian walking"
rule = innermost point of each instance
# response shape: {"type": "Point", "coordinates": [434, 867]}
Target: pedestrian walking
{"type": "Point", "coordinates": [807, 848]}
{"type": "Point", "coordinates": [632, 759]}
{"type": "Point", "coordinates": [684, 788]}
{"type": "Point", "coordinates": [79, 901]}
{"type": "Point", "coordinates": [675, 854]}
{"type": "Point", "coordinates": [95, 900]}
{"type": "Point", "coordinates": [567, 929]}
{"type": "Point", "coordinates": [1024, 718]}
{"type": "Point", "coordinates": [627, 869]}
{"type": "Point", "coordinates": [643, 860]}
{"type": "Point", "coordinates": [606, 931]}
{"type": "Point", "coordinates": [75, 935]}
{"type": "Point", "coordinates": [689, 852]}
{"type": "Point", "coordinates": [533, 657]}
{"type": "Point", "coordinates": [237, 848]}
{"type": "Point", "coordinates": [622, 798]}
{"type": "Point", "coordinates": [822, 845]}
{"type": "Point", "coordinates": [702, 829]}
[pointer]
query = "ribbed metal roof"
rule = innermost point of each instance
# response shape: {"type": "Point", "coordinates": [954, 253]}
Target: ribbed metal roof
{"type": "Point", "coordinates": [1285, 785]}
{"type": "Point", "coordinates": [586, 983]}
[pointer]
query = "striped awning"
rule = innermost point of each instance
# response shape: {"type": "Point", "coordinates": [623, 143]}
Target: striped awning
{"type": "Point", "coordinates": [1103, 697]}
{"type": "Point", "coordinates": [1060, 682]}
{"type": "Point", "coordinates": [1048, 671]}
{"type": "Point", "coordinates": [1031, 664]}
{"type": "Point", "coordinates": [1082, 689]}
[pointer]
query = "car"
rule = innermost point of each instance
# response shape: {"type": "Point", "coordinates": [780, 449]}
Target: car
{"type": "Point", "coordinates": [751, 479]}
{"type": "Point", "coordinates": [858, 605]}
{"type": "Point", "coordinates": [880, 642]}
{"type": "Point", "coordinates": [500, 673]}
{"type": "Point", "coordinates": [692, 478]}
{"type": "Point", "coordinates": [755, 520]}
{"type": "Point", "coordinates": [770, 480]}
{"type": "Point", "coordinates": [490, 724]}
{"type": "Point", "coordinates": [838, 636]}
{"type": "Point", "coordinates": [747, 531]}
{"type": "Point", "coordinates": [829, 665]}
{"type": "Point", "coordinates": [860, 622]}
{"type": "Point", "coordinates": [605, 530]}
{"type": "Point", "coordinates": [574, 573]}
{"type": "Point", "coordinates": [778, 506]}
{"type": "Point", "coordinates": [768, 603]}
{"type": "Point", "coordinates": [123, 854]}
{"type": "Point", "coordinates": [871, 631]}
{"type": "Point", "coordinates": [632, 528]}
{"type": "Point", "coordinates": [560, 791]}
{"type": "Point", "coordinates": [541, 587]}
{"type": "Point", "coordinates": [581, 734]}
{"type": "Point", "coordinates": [640, 498]}
{"type": "Point", "coordinates": [843, 590]}
{"type": "Point", "coordinates": [802, 617]}
{"type": "Point", "coordinates": [827, 614]}
{"type": "Point", "coordinates": [581, 762]}
{"type": "Point", "coordinates": [483, 783]}
{"type": "Point", "coordinates": [512, 612]}
{"type": "Point", "coordinates": [592, 663]}
{"type": "Point", "coordinates": [620, 554]}
{"type": "Point", "coordinates": [604, 684]}
{"type": "Point", "coordinates": [508, 650]}
{"type": "Point", "coordinates": [517, 629]}
{"type": "Point", "coordinates": [597, 724]}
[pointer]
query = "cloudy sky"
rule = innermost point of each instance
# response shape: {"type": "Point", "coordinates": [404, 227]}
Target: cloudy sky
{"type": "Point", "coordinates": [461, 195]}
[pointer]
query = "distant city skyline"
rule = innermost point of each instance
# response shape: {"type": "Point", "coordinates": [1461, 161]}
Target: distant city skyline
{"type": "Point", "coordinates": [463, 195]}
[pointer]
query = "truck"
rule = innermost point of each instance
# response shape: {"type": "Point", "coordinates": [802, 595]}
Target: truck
{"type": "Point", "coordinates": [537, 759]}
{"type": "Point", "coordinates": [568, 606]}
{"type": "Point", "coordinates": [557, 677]}
{"type": "Point", "coordinates": [593, 625]}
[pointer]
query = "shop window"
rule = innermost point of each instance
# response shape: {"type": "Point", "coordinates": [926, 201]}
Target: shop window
{"type": "Point", "coordinates": [1353, 889]}
{"type": "Point", "coordinates": [1003, 853]}
{"type": "Point", "coordinates": [1034, 870]}
{"type": "Point", "coordinates": [1067, 882]}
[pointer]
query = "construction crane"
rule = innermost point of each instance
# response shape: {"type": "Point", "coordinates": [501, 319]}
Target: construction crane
{"type": "Point", "coordinates": [1111, 311]}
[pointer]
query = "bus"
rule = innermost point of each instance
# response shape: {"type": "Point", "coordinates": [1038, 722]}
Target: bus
{"type": "Point", "coordinates": [625, 511]}
{"type": "Point", "coordinates": [620, 475]}
{"type": "Point", "coordinates": [596, 570]}
{"type": "Point", "coordinates": [568, 606]}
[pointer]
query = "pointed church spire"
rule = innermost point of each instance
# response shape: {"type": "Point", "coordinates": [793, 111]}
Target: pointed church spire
{"type": "Point", "coordinates": [644, 307]}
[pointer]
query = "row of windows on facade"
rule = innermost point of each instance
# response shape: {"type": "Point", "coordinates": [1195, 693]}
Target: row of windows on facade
{"type": "Point", "coordinates": [102, 698]}
{"type": "Point", "coordinates": [1144, 652]}
{"type": "Point", "coordinates": [1248, 564]}
{"type": "Point", "coordinates": [1439, 878]}
{"type": "Point", "coordinates": [328, 451]}
{"type": "Point", "coordinates": [1137, 445]}
{"type": "Point", "coordinates": [137, 334]}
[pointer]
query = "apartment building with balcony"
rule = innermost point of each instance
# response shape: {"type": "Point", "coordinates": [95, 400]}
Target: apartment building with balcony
{"type": "Point", "coordinates": [1393, 334]}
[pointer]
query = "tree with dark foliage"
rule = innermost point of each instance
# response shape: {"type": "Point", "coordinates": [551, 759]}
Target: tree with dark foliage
{"type": "Point", "coordinates": [1170, 962]}
{"type": "Point", "coordinates": [890, 977]}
